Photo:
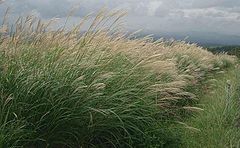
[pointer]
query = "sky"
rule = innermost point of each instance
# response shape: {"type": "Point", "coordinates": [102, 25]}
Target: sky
{"type": "Point", "coordinates": [155, 16]}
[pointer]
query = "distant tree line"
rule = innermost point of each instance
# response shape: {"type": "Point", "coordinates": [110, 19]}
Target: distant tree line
{"type": "Point", "coordinates": [231, 50]}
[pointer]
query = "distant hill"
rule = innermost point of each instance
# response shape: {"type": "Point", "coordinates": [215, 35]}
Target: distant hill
{"type": "Point", "coordinates": [232, 50]}
{"type": "Point", "coordinates": [201, 38]}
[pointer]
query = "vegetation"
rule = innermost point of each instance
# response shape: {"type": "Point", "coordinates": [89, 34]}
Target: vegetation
{"type": "Point", "coordinates": [218, 124]}
{"type": "Point", "coordinates": [100, 88]}
{"type": "Point", "coordinates": [232, 50]}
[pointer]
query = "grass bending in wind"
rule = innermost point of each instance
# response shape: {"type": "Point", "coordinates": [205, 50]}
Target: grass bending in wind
{"type": "Point", "coordinates": [100, 88]}
{"type": "Point", "coordinates": [218, 124]}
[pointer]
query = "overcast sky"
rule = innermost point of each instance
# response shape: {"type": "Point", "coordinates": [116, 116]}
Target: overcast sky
{"type": "Point", "coordinates": [222, 16]}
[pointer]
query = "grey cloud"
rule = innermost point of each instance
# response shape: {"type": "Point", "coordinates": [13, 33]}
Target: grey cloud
{"type": "Point", "coordinates": [209, 3]}
{"type": "Point", "coordinates": [162, 12]}
{"type": "Point", "coordinates": [156, 15]}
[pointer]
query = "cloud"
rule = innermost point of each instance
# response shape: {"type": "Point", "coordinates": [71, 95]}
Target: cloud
{"type": "Point", "coordinates": [153, 6]}
{"type": "Point", "coordinates": [215, 3]}
{"type": "Point", "coordinates": [155, 15]}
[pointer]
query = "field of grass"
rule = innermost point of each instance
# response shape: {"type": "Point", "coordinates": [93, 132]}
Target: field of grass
{"type": "Point", "coordinates": [100, 88]}
{"type": "Point", "coordinates": [218, 124]}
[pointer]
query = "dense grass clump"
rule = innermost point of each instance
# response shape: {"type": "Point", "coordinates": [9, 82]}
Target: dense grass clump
{"type": "Point", "coordinates": [99, 88]}
{"type": "Point", "coordinates": [75, 104]}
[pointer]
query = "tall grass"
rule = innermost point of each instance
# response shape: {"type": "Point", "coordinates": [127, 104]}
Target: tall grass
{"type": "Point", "coordinates": [218, 124]}
{"type": "Point", "coordinates": [95, 88]}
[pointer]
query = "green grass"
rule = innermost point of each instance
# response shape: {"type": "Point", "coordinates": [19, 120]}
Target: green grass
{"type": "Point", "coordinates": [46, 102]}
{"type": "Point", "coordinates": [218, 123]}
